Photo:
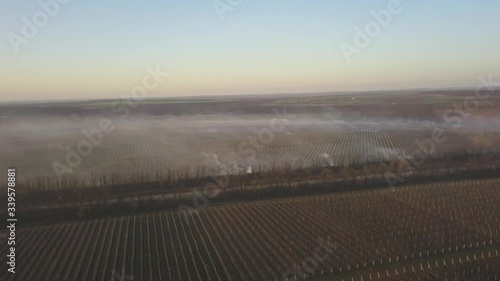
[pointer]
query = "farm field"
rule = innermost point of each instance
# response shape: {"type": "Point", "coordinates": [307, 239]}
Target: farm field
{"type": "Point", "coordinates": [234, 140]}
{"type": "Point", "coordinates": [209, 136]}
{"type": "Point", "coordinates": [208, 146]}
{"type": "Point", "coordinates": [437, 231]}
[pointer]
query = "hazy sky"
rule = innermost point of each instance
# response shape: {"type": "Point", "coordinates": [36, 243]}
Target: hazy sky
{"type": "Point", "coordinates": [93, 49]}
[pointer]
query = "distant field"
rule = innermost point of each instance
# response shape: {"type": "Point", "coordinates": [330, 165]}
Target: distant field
{"type": "Point", "coordinates": [209, 145]}
{"type": "Point", "coordinates": [413, 231]}
{"type": "Point", "coordinates": [146, 102]}
{"type": "Point", "coordinates": [205, 136]}
{"type": "Point", "coordinates": [376, 98]}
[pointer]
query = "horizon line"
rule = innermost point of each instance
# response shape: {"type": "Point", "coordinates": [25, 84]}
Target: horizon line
{"type": "Point", "coordinates": [423, 89]}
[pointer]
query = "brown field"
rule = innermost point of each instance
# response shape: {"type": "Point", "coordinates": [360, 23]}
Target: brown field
{"type": "Point", "coordinates": [121, 205]}
{"type": "Point", "coordinates": [191, 138]}
{"type": "Point", "coordinates": [429, 231]}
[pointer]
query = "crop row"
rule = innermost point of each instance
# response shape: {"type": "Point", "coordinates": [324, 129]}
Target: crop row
{"type": "Point", "coordinates": [305, 148]}
{"type": "Point", "coordinates": [365, 230]}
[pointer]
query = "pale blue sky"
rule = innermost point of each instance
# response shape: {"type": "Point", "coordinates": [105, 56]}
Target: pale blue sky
{"type": "Point", "coordinates": [92, 49]}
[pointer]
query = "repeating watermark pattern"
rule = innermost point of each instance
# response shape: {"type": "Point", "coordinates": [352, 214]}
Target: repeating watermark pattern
{"type": "Point", "coordinates": [93, 138]}
{"type": "Point", "coordinates": [222, 7]}
{"type": "Point", "coordinates": [454, 118]}
{"type": "Point", "coordinates": [31, 27]}
{"type": "Point", "coordinates": [246, 148]}
{"type": "Point", "coordinates": [309, 265]}
{"type": "Point", "coordinates": [266, 135]}
{"type": "Point", "coordinates": [464, 109]}
{"type": "Point", "coordinates": [372, 29]}
{"type": "Point", "coordinates": [201, 199]}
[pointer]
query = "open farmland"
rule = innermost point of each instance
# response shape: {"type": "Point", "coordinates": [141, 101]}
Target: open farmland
{"type": "Point", "coordinates": [196, 137]}
{"type": "Point", "coordinates": [230, 140]}
{"type": "Point", "coordinates": [211, 145]}
{"type": "Point", "coordinates": [438, 231]}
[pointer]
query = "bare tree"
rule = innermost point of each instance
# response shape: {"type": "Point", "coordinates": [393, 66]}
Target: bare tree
{"type": "Point", "coordinates": [94, 179]}
{"type": "Point", "coordinates": [114, 179]}
{"type": "Point", "coordinates": [103, 179]}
